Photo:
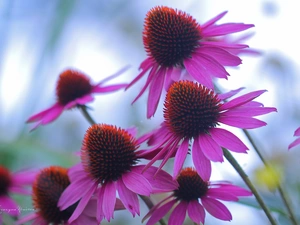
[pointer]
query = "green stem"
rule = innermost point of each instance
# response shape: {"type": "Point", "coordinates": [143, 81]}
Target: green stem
{"type": "Point", "coordinates": [245, 178]}
{"type": "Point", "coordinates": [150, 204]}
{"type": "Point", "coordinates": [146, 199]}
{"type": "Point", "coordinates": [86, 115]}
{"type": "Point", "coordinates": [283, 196]}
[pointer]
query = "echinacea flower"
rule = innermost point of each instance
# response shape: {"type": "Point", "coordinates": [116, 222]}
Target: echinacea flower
{"type": "Point", "coordinates": [13, 183]}
{"type": "Point", "coordinates": [47, 188]}
{"type": "Point", "coordinates": [193, 112]}
{"type": "Point", "coordinates": [178, 46]}
{"type": "Point", "coordinates": [194, 196]}
{"type": "Point", "coordinates": [109, 165]}
{"type": "Point", "coordinates": [73, 88]}
{"type": "Point", "coordinates": [297, 141]}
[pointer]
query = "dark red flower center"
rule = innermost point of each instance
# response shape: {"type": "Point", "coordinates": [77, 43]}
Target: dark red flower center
{"type": "Point", "coordinates": [191, 186]}
{"type": "Point", "coordinates": [108, 152]}
{"type": "Point", "coordinates": [190, 109]}
{"type": "Point", "coordinates": [170, 35]}
{"type": "Point", "coordinates": [72, 84]}
{"type": "Point", "coordinates": [5, 180]}
{"type": "Point", "coordinates": [47, 189]}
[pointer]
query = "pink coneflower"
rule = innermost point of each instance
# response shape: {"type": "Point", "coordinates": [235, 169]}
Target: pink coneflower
{"type": "Point", "coordinates": [108, 165]}
{"type": "Point", "coordinates": [297, 141]}
{"type": "Point", "coordinates": [194, 196]}
{"type": "Point", "coordinates": [12, 183]}
{"type": "Point", "coordinates": [73, 88]}
{"type": "Point", "coordinates": [193, 112]}
{"type": "Point", "coordinates": [47, 188]}
{"type": "Point", "coordinates": [176, 43]}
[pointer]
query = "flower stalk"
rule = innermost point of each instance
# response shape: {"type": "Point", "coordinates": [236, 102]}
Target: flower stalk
{"type": "Point", "coordinates": [247, 181]}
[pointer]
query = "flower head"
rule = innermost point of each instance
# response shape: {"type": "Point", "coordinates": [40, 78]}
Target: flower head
{"type": "Point", "coordinates": [193, 196]}
{"type": "Point", "coordinates": [194, 112]}
{"type": "Point", "coordinates": [178, 46]}
{"type": "Point", "coordinates": [73, 88]}
{"type": "Point", "coordinates": [297, 141]}
{"type": "Point", "coordinates": [12, 183]}
{"type": "Point", "coordinates": [47, 189]}
{"type": "Point", "coordinates": [109, 165]}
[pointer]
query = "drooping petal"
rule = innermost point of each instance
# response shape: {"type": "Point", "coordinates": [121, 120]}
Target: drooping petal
{"type": "Point", "coordinates": [137, 183]}
{"type": "Point", "coordinates": [241, 100]}
{"type": "Point", "coordinates": [210, 148]}
{"type": "Point", "coordinates": [196, 72]}
{"type": "Point", "coordinates": [10, 206]}
{"type": "Point", "coordinates": [145, 66]}
{"type": "Point", "coordinates": [160, 212]}
{"type": "Point", "coordinates": [80, 101]}
{"type": "Point", "coordinates": [180, 157]}
{"type": "Point", "coordinates": [23, 177]}
{"type": "Point", "coordinates": [294, 143]}
{"type": "Point", "coordinates": [196, 212]}
{"type": "Point", "coordinates": [129, 199]}
{"type": "Point", "coordinates": [228, 140]}
{"type": "Point", "coordinates": [160, 180]}
{"type": "Point", "coordinates": [210, 65]}
{"type": "Point", "coordinates": [109, 200]}
{"type": "Point", "coordinates": [155, 91]}
{"type": "Point", "coordinates": [216, 208]}
{"type": "Point", "coordinates": [82, 203]}
{"type": "Point", "coordinates": [232, 189]}
{"type": "Point", "coordinates": [27, 218]}
{"type": "Point", "coordinates": [221, 195]}
{"type": "Point", "coordinates": [242, 122]}
{"type": "Point", "coordinates": [178, 215]}
{"type": "Point", "coordinates": [201, 163]}
{"type": "Point", "coordinates": [297, 132]}
{"type": "Point", "coordinates": [75, 191]}
{"type": "Point", "coordinates": [224, 57]}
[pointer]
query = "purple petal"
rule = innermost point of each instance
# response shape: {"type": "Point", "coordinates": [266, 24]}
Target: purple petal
{"type": "Point", "coordinates": [24, 177]}
{"type": "Point", "coordinates": [232, 189]}
{"type": "Point", "coordinates": [249, 111]}
{"type": "Point", "coordinates": [74, 192]}
{"type": "Point", "coordinates": [294, 143]}
{"type": "Point", "coordinates": [210, 148]}
{"type": "Point", "coordinates": [145, 66]}
{"type": "Point", "coordinates": [160, 212]}
{"type": "Point", "coordinates": [10, 206]}
{"type": "Point", "coordinates": [109, 200]}
{"type": "Point", "coordinates": [196, 212]}
{"type": "Point", "coordinates": [80, 101]}
{"type": "Point", "coordinates": [137, 183]}
{"type": "Point", "coordinates": [216, 208]}
{"type": "Point", "coordinates": [213, 20]}
{"type": "Point", "coordinates": [149, 80]}
{"type": "Point", "coordinates": [155, 91]}
{"type": "Point", "coordinates": [210, 65]}
{"type": "Point", "coordinates": [222, 56]}
{"type": "Point", "coordinates": [196, 72]}
{"type": "Point", "coordinates": [129, 199]}
{"type": "Point", "coordinates": [25, 219]}
{"type": "Point", "coordinates": [160, 180]}
{"type": "Point", "coordinates": [201, 163]}
{"type": "Point", "coordinates": [228, 140]}
{"type": "Point", "coordinates": [82, 203]}
{"type": "Point", "coordinates": [242, 122]}
{"type": "Point", "coordinates": [226, 28]}
{"type": "Point", "coordinates": [241, 100]}
{"type": "Point", "coordinates": [229, 94]}
{"type": "Point", "coordinates": [221, 195]}
{"type": "Point", "coordinates": [233, 48]}
{"type": "Point", "coordinates": [114, 75]}
{"type": "Point", "coordinates": [297, 132]}
{"type": "Point", "coordinates": [178, 215]}
{"type": "Point", "coordinates": [110, 88]}
{"type": "Point", "coordinates": [180, 157]}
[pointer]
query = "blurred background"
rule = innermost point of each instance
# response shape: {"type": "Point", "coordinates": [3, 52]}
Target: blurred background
{"type": "Point", "coordinates": [40, 38]}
